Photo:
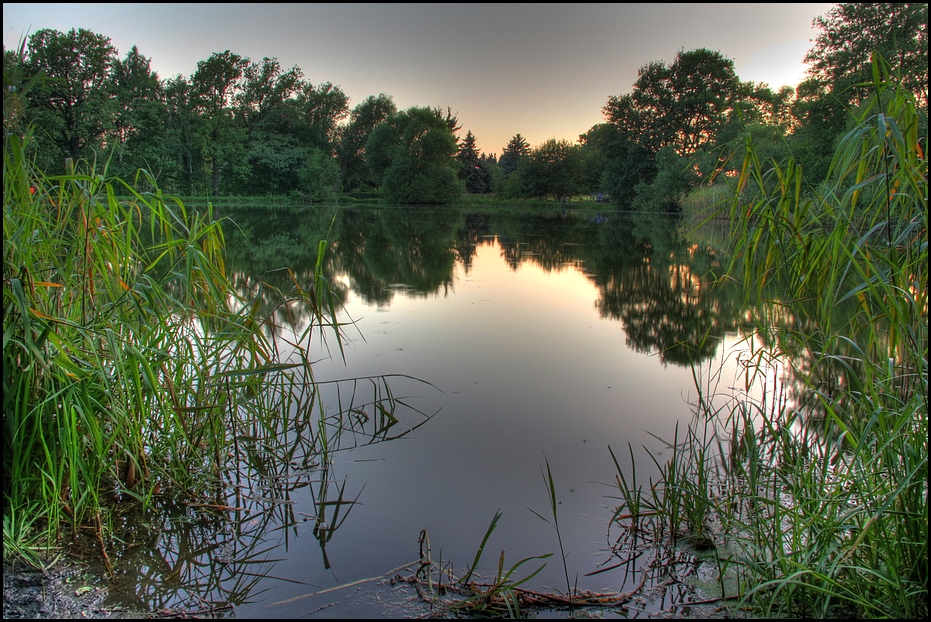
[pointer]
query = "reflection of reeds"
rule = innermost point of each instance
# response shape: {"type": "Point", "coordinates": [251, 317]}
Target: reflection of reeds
{"type": "Point", "coordinates": [274, 462]}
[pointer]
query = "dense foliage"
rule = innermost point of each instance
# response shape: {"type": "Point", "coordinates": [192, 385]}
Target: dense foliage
{"type": "Point", "coordinates": [411, 155]}
{"type": "Point", "coordinates": [238, 126]}
{"type": "Point", "coordinates": [847, 533]}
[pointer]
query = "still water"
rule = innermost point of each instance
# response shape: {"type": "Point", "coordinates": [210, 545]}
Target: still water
{"type": "Point", "coordinates": [507, 341]}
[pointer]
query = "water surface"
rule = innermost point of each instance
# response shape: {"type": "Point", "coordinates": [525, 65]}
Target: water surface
{"type": "Point", "coordinates": [515, 340]}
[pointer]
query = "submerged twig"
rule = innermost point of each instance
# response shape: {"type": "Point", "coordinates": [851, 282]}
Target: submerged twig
{"type": "Point", "coordinates": [344, 585]}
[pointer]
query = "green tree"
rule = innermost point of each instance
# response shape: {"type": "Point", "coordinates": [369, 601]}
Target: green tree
{"type": "Point", "coordinates": [412, 155]}
{"type": "Point", "coordinates": [822, 119]}
{"type": "Point", "coordinates": [553, 169]}
{"type": "Point", "coordinates": [266, 108]}
{"type": "Point", "coordinates": [840, 70]}
{"type": "Point", "coordinates": [492, 169]}
{"type": "Point", "coordinates": [686, 103]}
{"type": "Point", "coordinates": [622, 112]}
{"type": "Point", "coordinates": [675, 176]}
{"type": "Point", "coordinates": [72, 104]}
{"type": "Point", "coordinates": [517, 148]}
{"type": "Point", "coordinates": [323, 107]}
{"type": "Point", "coordinates": [318, 178]}
{"type": "Point", "coordinates": [264, 87]}
{"type": "Point", "coordinates": [184, 159]}
{"type": "Point", "coordinates": [850, 32]}
{"type": "Point", "coordinates": [354, 136]}
{"type": "Point", "coordinates": [625, 162]}
{"type": "Point", "coordinates": [276, 151]}
{"type": "Point", "coordinates": [595, 144]}
{"type": "Point", "coordinates": [215, 86]}
{"type": "Point", "coordinates": [140, 117]}
{"type": "Point", "coordinates": [689, 106]}
{"type": "Point", "coordinates": [473, 171]}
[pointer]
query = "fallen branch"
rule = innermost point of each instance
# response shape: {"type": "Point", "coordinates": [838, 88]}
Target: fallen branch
{"type": "Point", "coordinates": [494, 596]}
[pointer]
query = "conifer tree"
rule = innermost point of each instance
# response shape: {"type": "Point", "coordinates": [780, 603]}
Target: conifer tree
{"type": "Point", "coordinates": [517, 148]}
{"type": "Point", "coordinates": [476, 178]}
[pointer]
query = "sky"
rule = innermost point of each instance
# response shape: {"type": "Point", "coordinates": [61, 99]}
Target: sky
{"type": "Point", "coordinates": [541, 70]}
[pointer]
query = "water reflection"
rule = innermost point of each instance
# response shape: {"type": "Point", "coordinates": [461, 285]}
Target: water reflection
{"type": "Point", "coordinates": [381, 250]}
{"type": "Point", "coordinates": [649, 277]}
{"type": "Point", "coordinates": [207, 558]}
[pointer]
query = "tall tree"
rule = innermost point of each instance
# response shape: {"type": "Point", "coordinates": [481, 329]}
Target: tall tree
{"type": "Point", "coordinates": [841, 56]}
{"type": "Point", "coordinates": [215, 85]}
{"type": "Point", "coordinates": [265, 86]}
{"type": "Point", "coordinates": [365, 117]}
{"type": "Point", "coordinates": [276, 149]}
{"type": "Point", "coordinates": [134, 86]}
{"type": "Point", "coordinates": [266, 108]}
{"type": "Point", "coordinates": [472, 171]}
{"type": "Point", "coordinates": [595, 145]}
{"type": "Point", "coordinates": [323, 107]}
{"type": "Point", "coordinates": [840, 70]}
{"type": "Point", "coordinates": [180, 129]}
{"type": "Point", "coordinates": [687, 107]}
{"type": "Point", "coordinates": [140, 117]}
{"type": "Point", "coordinates": [686, 103]}
{"type": "Point", "coordinates": [72, 102]}
{"type": "Point", "coordinates": [622, 113]}
{"type": "Point", "coordinates": [516, 149]}
{"type": "Point", "coordinates": [412, 154]}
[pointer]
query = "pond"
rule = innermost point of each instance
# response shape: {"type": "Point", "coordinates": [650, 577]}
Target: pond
{"type": "Point", "coordinates": [506, 343]}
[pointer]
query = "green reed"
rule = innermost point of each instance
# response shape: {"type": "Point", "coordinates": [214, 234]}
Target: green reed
{"type": "Point", "coordinates": [129, 359]}
{"type": "Point", "coordinates": [852, 259]}
{"type": "Point", "coordinates": [821, 484]}
{"type": "Point", "coordinates": [551, 495]}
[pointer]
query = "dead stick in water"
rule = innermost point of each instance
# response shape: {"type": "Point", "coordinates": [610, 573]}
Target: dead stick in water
{"type": "Point", "coordinates": [345, 585]}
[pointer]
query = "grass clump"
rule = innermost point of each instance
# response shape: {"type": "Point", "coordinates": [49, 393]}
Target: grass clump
{"type": "Point", "coordinates": [129, 360]}
{"type": "Point", "coordinates": [817, 488]}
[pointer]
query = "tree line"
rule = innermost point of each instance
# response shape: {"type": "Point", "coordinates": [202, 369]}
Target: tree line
{"type": "Point", "coordinates": [239, 126]}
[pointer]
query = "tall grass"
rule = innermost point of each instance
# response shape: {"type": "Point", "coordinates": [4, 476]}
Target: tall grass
{"type": "Point", "coordinates": [851, 261]}
{"type": "Point", "coordinates": [129, 362]}
{"type": "Point", "coordinates": [819, 487]}
{"type": "Point", "coordinates": [551, 494]}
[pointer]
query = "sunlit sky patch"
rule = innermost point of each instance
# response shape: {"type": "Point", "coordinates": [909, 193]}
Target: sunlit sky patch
{"type": "Point", "coordinates": [542, 70]}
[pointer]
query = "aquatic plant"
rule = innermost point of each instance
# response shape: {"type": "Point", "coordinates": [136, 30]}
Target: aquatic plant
{"type": "Point", "coordinates": [818, 486]}
{"type": "Point", "coordinates": [133, 370]}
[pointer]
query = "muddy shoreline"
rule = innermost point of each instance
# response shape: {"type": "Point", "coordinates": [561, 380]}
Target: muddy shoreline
{"type": "Point", "coordinates": [67, 590]}
{"type": "Point", "coordinates": [73, 588]}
